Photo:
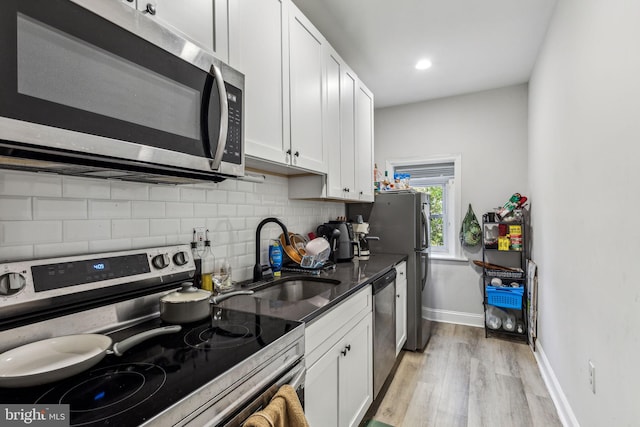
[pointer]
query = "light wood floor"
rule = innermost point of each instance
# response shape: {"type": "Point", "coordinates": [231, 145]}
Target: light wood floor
{"type": "Point", "coordinates": [465, 379]}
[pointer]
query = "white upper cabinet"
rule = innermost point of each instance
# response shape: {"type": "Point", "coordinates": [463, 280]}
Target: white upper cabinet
{"type": "Point", "coordinates": [349, 84]}
{"type": "Point", "coordinates": [257, 47]}
{"type": "Point", "coordinates": [348, 138]}
{"type": "Point", "coordinates": [305, 85]}
{"type": "Point", "coordinates": [339, 138]}
{"type": "Point", "coordinates": [340, 159]}
{"type": "Point", "coordinates": [364, 143]}
{"type": "Point", "coordinates": [280, 53]}
{"type": "Point", "coordinates": [201, 21]}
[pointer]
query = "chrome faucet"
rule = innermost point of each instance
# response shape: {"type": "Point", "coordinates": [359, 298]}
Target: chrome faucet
{"type": "Point", "coordinates": [257, 268]}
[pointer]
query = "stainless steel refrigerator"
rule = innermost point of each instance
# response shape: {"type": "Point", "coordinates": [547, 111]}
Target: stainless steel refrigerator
{"type": "Point", "coordinates": [401, 220]}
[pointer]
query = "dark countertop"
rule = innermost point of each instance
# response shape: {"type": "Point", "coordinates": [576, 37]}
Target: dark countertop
{"type": "Point", "coordinates": [353, 276]}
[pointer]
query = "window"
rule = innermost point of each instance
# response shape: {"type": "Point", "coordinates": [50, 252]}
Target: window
{"type": "Point", "coordinates": [438, 177]}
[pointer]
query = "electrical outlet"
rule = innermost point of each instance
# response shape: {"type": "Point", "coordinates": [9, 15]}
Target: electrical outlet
{"type": "Point", "coordinates": [200, 236]}
{"type": "Point", "coordinates": [592, 376]}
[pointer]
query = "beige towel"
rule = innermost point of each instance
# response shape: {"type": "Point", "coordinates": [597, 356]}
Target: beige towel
{"type": "Point", "coordinates": [284, 410]}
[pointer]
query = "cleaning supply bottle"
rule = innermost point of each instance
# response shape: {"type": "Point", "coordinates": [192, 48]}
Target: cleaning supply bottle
{"type": "Point", "coordinates": [275, 257]}
{"type": "Point", "coordinates": [208, 264]}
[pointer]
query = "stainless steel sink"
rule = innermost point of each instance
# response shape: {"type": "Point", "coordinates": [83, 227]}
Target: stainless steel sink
{"type": "Point", "coordinates": [295, 289]}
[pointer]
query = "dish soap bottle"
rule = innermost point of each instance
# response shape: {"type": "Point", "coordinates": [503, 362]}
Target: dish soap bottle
{"type": "Point", "coordinates": [208, 264]}
{"type": "Point", "coordinates": [275, 257]}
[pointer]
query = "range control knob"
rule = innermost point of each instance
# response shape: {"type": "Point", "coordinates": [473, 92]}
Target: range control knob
{"type": "Point", "coordinates": [160, 261]}
{"type": "Point", "coordinates": [12, 283]}
{"type": "Point", "coordinates": [181, 258]}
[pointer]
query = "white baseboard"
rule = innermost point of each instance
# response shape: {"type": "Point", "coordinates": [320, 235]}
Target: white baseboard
{"type": "Point", "coordinates": [565, 413]}
{"type": "Point", "coordinates": [457, 317]}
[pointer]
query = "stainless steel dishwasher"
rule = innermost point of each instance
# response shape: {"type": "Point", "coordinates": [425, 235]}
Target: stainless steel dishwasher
{"type": "Point", "coordinates": [384, 328]}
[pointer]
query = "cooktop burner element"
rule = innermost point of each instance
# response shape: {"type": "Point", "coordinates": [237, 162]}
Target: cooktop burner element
{"type": "Point", "coordinates": [109, 391]}
{"type": "Point", "coordinates": [222, 334]}
{"type": "Point", "coordinates": [154, 375]}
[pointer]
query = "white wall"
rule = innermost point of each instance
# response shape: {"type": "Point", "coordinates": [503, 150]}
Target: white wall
{"type": "Point", "coordinates": [584, 176]}
{"type": "Point", "coordinates": [46, 215]}
{"type": "Point", "coordinates": [489, 130]}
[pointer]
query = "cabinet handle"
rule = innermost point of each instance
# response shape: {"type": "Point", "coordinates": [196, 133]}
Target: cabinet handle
{"type": "Point", "coordinates": [297, 154]}
{"type": "Point", "coordinates": [361, 193]}
{"type": "Point", "coordinates": [398, 296]}
{"type": "Point", "coordinates": [151, 9]}
{"type": "Point", "coordinates": [344, 352]}
{"type": "Point", "coordinates": [289, 151]}
{"type": "Point", "coordinates": [348, 347]}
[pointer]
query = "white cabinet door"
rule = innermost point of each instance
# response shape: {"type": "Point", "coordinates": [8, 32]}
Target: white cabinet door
{"type": "Point", "coordinates": [348, 143]}
{"type": "Point", "coordinates": [332, 122]}
{"type": "Point", "coordinates": [401, 306]}
{"type": "Point", "coordinates": [364, 143]}
{"type": "Point", "coordinates": [339, 385]}
{"type": "Point", "coordinates": [202, 21]}
{"type": "Point", "coordinates": [305, 92]}
{"type": "Point", "coordinates": [356, 373]}
{"type": "Point", "coordinates": [258, 48]}
{"type": "Point", "coordinates": [321, 390]}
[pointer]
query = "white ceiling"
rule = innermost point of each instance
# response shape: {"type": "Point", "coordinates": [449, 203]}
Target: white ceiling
{"type": "Point", "coordinates": [474, 44]}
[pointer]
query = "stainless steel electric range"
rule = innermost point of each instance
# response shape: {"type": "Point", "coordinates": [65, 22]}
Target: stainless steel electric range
{"type": "Point", "coordinates": [203, 375]}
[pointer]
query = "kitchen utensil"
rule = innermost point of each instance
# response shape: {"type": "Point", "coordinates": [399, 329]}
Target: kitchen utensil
{"type": "Point", "coordinates": [318, 251]}
{"type": "Point", "coordinates": [186, 305]}
{"type": "Point", "coordinates": [317, 246]}
{"type": "Point", "coordinates": [493, 266]}
{"type": "Point", "coordinates": [53, 359]}
{"type": "Point", "coordinates": [296, 250]}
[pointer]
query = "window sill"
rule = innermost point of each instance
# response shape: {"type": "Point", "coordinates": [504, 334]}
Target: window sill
{"type": "Point", "coordinates": [447, 257]}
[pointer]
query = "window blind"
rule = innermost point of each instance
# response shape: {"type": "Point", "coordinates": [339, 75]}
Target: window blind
{"type": "Point", "coordinates": [443, 171]}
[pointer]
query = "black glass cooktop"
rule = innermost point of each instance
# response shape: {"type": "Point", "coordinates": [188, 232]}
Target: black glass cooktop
{"type": "Point", "coordinates": [154, 375]}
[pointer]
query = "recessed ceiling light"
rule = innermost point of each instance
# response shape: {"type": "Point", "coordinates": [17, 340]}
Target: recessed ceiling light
{"type": "Point", "coordinates": [423, 64]}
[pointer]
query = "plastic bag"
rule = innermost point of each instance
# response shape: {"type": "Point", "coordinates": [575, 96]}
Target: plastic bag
{"type": "Point", "coordinates": [470, 231]}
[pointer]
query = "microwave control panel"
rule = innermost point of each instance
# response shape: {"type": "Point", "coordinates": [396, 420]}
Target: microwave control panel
{"type": "Point", "coordinates": [233, 149]}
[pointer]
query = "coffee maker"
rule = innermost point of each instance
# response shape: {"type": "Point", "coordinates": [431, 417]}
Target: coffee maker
{"type": "Point", "coordinates": [361, 240]}
{"type": "Point", "coordinates": [341, 237]}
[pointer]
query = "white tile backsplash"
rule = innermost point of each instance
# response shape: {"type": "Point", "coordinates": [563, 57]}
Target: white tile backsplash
{"type": "Point", "coordinates": [15, 208]}
{"type": "Point", "coordinates": [85, 188]}
{"type": "Point", "coordinates": [39, 184]}
{"type": "Point", "coordinates": [130, 228]}
{"type": "Point", "coordinates": [97, 215]}
{"type": "Point", "coordinates": [30, 232]}
{"type": "Point", "coordinates": [106, 209]}
{"type": "Point", "coordinates": [59, 208]}
{"type": "Point", "coordinates": [92, 229]}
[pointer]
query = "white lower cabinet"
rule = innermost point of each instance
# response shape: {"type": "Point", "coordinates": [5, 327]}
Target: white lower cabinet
{"type": "Point", "coordinates": [401, 305]}
{"type": "Point", "coordinates": [339, 382]}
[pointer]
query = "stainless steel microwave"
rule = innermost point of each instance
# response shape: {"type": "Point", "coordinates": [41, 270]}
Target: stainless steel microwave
{"type": "Point", "coordinates": [96, 88]}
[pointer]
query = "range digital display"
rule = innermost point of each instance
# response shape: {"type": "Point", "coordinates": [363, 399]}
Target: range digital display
{"type": "Point", "coordinates": [98, 266]}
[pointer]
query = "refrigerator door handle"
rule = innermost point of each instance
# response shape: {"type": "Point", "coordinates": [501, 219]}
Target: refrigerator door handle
{"type": "Point", "coordinates": [426, 225]}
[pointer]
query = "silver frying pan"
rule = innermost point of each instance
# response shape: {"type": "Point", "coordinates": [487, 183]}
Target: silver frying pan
{"type": "Point", "coordinates": [54, 359]}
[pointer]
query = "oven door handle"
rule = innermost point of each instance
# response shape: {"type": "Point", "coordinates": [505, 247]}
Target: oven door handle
{"type": "Point", "coordinates": [224, 118]}
{"type": "Point", "coordinates": [294, 379]}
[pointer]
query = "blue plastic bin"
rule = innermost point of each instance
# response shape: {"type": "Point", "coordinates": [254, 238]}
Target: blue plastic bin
{"type": "Point", "coordinates": [505, 297]}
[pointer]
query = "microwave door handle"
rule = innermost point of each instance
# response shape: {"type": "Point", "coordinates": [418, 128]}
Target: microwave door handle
{"type": "Point", "coordinates": [224, 118]}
